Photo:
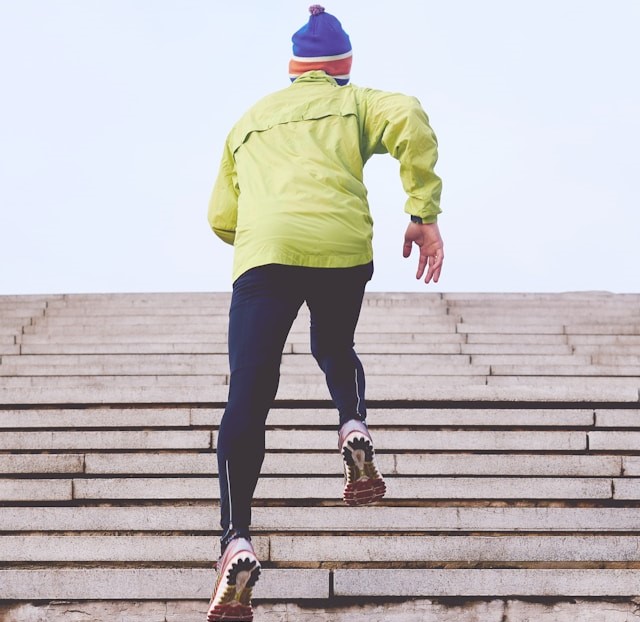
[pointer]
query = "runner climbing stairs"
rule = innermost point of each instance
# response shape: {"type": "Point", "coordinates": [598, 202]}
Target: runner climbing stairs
{"type": "Point", "coordinates": [507, 426]}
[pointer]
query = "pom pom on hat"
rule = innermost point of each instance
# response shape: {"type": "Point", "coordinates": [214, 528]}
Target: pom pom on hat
{"type": "Point", "coordinates": [321, 44]}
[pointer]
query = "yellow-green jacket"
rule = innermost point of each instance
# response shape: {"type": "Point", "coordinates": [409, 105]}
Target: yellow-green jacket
{"type": "Point", "coordinates": [290, 188]}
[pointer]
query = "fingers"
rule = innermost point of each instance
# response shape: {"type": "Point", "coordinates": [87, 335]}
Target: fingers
{"type": "Point", "coordinates": [422, 262]}
{"type": "Point", "coordinates": [406, 249]}
{"type": "Point", "coordinates": [435, 267]}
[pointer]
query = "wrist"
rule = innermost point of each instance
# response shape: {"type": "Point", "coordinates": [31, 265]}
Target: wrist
{"type": "Point", "coordinates": [427, 220]}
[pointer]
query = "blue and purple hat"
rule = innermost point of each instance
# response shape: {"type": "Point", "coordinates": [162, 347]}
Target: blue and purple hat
{"type": "Point", "coordinates": [321, 44]}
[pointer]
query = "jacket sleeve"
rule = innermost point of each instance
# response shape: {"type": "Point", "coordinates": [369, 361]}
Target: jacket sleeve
{"type": "Point", "coordinates": [223, 205]}
{"type": "Point", "coordinates": [396, 124]}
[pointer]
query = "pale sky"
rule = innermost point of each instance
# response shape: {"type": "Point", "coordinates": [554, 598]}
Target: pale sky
{"type": "Point", "coordinates": [113, 116]}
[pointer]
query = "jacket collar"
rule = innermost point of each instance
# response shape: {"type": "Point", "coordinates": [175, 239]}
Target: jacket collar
{"type": "Point", "coordinates": [314, 76]}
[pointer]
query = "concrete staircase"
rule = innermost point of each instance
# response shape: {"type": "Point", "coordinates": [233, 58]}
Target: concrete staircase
{"type": "Point", "coordinates": [507, 426]}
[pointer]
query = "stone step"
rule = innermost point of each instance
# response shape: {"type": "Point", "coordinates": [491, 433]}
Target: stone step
{"type": "Point", "coordinates": [93, 309]}
{"type": "Point", "coordinates": [400, 392]}
{"type": "Point", "coordinates": [209, 347]}
{"type": "Point", "coordinates": [604, 340]}
{"type": "Point", "coordinates": [182, 463]}
{"type": "Point", "coordinates": [339, 518]}
{"type": "Point", "coordinates": [614, 441]}
{"type": "Point", "coordinates": [217, 347]}
{"type": "Point", "coordinates": [573, 382]}
{"type": "Point", "coordinates": [308, 370]}
{"type": "Point", "coordinates": [542, 312]}
{"type": "Point", "coordinates": [519, 350]}
{"type": "Point", "coordinates": [607, 359]}
{"type": "Point", "coordinates": [152, 583]}
{"type": "Point", "coordinates": [455, 548]}
{"type": "Point", "coordinates": [398, 488]}
{"type": "Point", "coordinates": [564, 370]}
{"type": "Point", "coordinates": [626, 417]}
{"type": "Point", "coordinates": [375, 346]}
{"type": "Point", "coordinates": [415, 609]}
{"type": "Point", "coordinates": [162, 417]}
{"type": "Point", "coordinates": [322, 440]}
{"type": "Point", "coordinates": [611, 350]}
{"type": "Point", "coordinates": [501, 357]}
{"type": "Point", "coordinates": [113, 439]}
{"type": "Point", "coordinates": [495, 338]}
{"type": "Point", "coordinates": [213, 334]}
{"type": "Point", "coordinates": [474, 376]}
{"type": "Point", "coordinates": [218, 363]}
{"type": "Point", "coordinates": [212, 318]}
{"type": "Point", "coordinates": [9, 329]}
{"type": "Point", "coordinates": [485, 582]}
{"type": "Point", "coordinates": [220, 336]}
{"type": "Point", "coordinates": [60, 382]}
{"type": "Point", "coordinates": [35, 490]}
{"type": "Point", "coordinates": [194, 316]}
{"type": "Point", "coordinates": [560, 298]}
{"type": "Point", "coordinates": [207, 316]}
{"type": "Point", "coordinates": [112, 549]}
{"type": "Point", "coordinates": [20, 313]}
{"type": "Point", "coordinates": [631, 466]}
{"type": "Point", "coordinates": [292, 584]}
{"type": "Point", "coordinates": [304, 549]}
{"type": "Point", "coordinates": [211, 360]}
{"type": "Point", "coordinates": [443, 348]}
{"type": "Point", "coordinates": [291, 365]}
{"type": "Point", "coordinates": [401, 440]}
{"type": "Point", "coordinates": [609, 328]}
{"type": "Point", "coordinates": [20, 389]}
{"type": "Point", "coordinates": [510, 328]}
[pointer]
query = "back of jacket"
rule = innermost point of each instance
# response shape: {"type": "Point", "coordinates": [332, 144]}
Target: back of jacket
{"type": "Point", "coordinates": [290, 188]}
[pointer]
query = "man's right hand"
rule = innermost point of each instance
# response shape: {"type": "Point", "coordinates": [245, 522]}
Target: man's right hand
{"type": "Point", "coordinates": [427, 238]}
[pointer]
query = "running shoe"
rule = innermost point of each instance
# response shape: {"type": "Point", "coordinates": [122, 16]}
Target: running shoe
{"type": "Point", "coordinates": [363, 483]}
{"type": "Point", "coordinates": [238, 570]}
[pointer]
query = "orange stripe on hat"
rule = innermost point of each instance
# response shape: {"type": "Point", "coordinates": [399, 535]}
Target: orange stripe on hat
{"type": "Point", "coordinates": [337, 67]}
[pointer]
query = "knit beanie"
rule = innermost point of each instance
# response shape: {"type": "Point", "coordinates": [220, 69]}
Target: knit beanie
{"type": "Point", "coordinates": [321, 44]}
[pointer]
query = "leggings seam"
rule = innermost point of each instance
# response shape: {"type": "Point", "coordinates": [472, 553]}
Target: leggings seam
{"type": "Point", "coordinates": [229, 495]}
{"type": "Point", "coordinates": [355, 371]}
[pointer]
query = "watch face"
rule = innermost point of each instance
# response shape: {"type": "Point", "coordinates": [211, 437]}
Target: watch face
{"type": "Point", "coordinates": [416, 219]}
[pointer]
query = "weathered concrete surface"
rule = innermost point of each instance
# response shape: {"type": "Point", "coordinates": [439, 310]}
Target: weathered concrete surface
{"type": "Point", "coordinates": [455, 548]}
{"type": "Point", "coordinates": [486, 582]}
{"type": "Point", "coordinates": [429, 389]}
{"type": "Point", "coordinates": [151, 584]}
{"type": "Point", "coordinates": [40, 463]}
{"type": "Point", "coordinates": [316, 549]}
{"type": "Point", "coordinates": [475, 440]}
{"type": "Point", "coordinates": [306, 417]}
{"type": "Point", "coordinates": [419, 610]}
{"type": "Point", "coordinates": [331, 488]}
{"type": "Point", "coordinates": [113, 439]}
{"type": "Point", "coordinates": [35, 490]}
{"type": "Point", "coordinates": [109, 549]}
{"type": "Point", "coordinates": [152, 518]}
{"type": "Point", "coordinates": [310, 463]}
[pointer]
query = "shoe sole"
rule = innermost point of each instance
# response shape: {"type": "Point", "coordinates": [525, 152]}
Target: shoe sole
{"type": "Point", "coordinates": [364, 484]}
{"type": "Point", "coordinates": [236, 588]}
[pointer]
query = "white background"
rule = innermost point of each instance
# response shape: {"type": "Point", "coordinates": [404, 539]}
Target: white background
{"type": "Point", "coordinates": [113, 115]}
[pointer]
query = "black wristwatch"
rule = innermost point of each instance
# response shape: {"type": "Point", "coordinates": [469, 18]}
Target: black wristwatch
{"type": "Point", "coordinates": [416, 219]}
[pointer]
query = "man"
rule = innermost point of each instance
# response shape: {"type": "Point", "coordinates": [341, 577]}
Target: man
{"type": "Point", "coordinates": [290, 198]}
